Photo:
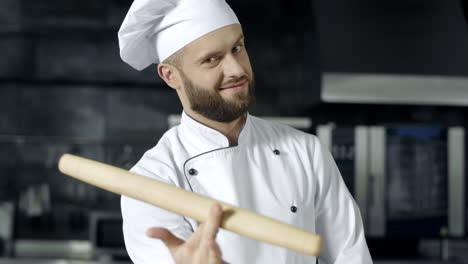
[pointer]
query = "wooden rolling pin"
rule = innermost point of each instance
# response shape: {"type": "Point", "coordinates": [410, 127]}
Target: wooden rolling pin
{"type": "Point", "coordinates": [192, 205]}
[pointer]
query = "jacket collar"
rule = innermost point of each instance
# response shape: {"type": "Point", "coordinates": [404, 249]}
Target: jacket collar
{"type": "Point", "coordinates": [208, 138]}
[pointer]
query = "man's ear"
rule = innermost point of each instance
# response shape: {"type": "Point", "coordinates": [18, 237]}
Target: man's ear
{"type": "Point", "coordinates": [169, 74]}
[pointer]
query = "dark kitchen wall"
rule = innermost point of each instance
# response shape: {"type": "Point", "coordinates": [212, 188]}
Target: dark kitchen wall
{"type": "Point", "coordinates": [74, 43]}
{"type": "Point", "coordinates": [417, 37]}
{"type": "Point", "coordinates": [426, 37]}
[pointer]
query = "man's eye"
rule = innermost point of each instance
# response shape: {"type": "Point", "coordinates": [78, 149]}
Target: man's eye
{"type": "Point", "coordinates": [237, 48]}
{"type": "Point", "coordinates": [210, 60]}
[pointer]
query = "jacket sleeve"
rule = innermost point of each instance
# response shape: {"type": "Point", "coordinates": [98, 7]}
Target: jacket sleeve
{"type": "Point", "coordinates": [139, 216]}
{"type": "Point", "coordinates": [338, 219]}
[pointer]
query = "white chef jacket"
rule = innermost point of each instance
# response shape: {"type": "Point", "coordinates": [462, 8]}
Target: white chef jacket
{"type": "Point", "coordinates": [275, 170]}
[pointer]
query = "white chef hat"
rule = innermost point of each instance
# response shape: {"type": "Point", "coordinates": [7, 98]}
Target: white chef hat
{"type": "Point", "coordinates": [153, 30]}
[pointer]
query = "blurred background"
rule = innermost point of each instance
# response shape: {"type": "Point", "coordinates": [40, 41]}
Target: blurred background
{"type": "Point", "coordinates": [383, 84]}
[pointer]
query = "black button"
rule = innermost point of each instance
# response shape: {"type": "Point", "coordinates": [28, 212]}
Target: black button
{"type": "Point", "coordinates": [192, 171]}
{"type": "Point", "coordinates": [276, 152]}
{"type": "Point", "coordinates": [293, 209]}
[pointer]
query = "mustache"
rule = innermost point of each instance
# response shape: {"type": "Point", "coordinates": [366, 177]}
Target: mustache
{"type": "Point", "coordinates": [236, 80]}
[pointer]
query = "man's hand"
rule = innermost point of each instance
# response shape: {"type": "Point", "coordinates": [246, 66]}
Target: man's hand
{"type": "Point", "coordinates": [201, 247]}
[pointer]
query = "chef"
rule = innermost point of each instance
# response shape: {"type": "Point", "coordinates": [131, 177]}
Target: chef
{"type": "Point", "coordinates": [221, 151]}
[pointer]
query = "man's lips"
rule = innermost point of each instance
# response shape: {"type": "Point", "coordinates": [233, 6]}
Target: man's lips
{"type": "Point", "coordinates": [235, 86]}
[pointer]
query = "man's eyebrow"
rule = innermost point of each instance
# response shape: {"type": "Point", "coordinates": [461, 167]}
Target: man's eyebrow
{"type": "Point", "coordinates": [240, 37]}
{"type": "Point", "coordinates": [216, 53]}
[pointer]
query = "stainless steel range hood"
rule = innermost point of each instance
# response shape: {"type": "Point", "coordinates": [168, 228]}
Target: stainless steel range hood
{"type": "Point", "coordinates": [394, 89]}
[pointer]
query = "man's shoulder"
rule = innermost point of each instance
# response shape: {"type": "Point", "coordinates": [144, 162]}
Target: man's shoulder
{"type": "Point", "coordinates": [164, 145]}
{"type": "Point", "coordinates": [275, 129]}
{"type": "Point", "coordinates": [161, 156]}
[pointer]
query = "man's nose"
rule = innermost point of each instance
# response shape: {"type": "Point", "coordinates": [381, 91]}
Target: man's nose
{"type": "Point", "coordinates": [232, 67]}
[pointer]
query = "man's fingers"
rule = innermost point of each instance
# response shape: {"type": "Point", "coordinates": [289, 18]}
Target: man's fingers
{"type": "Point", "coordinates": [201, 243]}
{"type": "Point", "coordinates": [213, 222]}
{"type": "Point", "coordinates": [171, 241]}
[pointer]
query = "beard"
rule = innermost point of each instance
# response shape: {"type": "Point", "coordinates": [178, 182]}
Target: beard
{"type": "Point", "coordinates": [211, 105]}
